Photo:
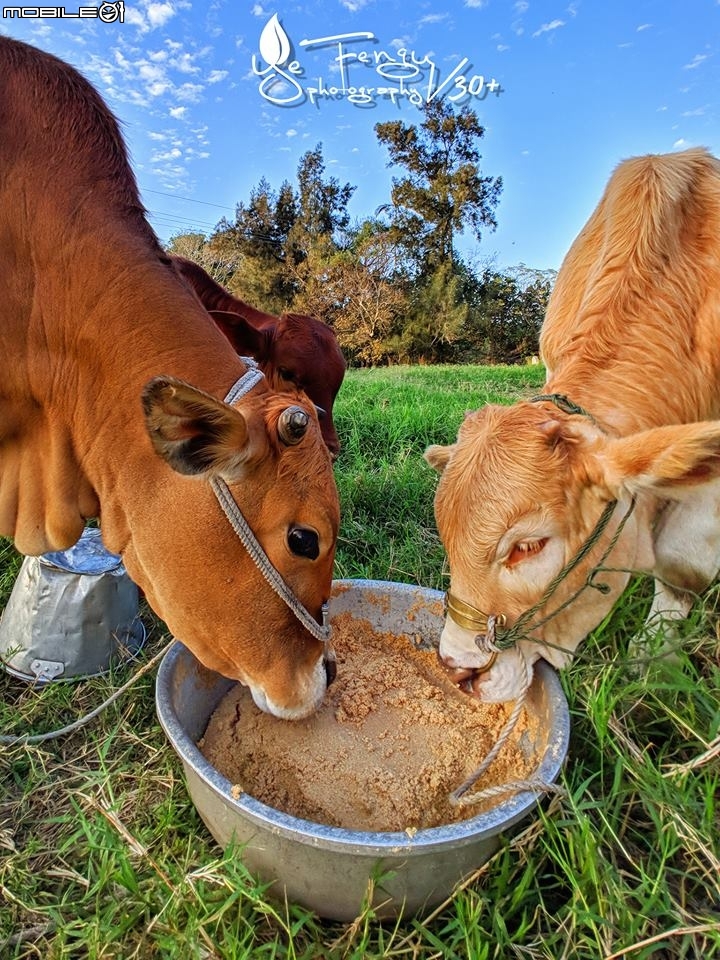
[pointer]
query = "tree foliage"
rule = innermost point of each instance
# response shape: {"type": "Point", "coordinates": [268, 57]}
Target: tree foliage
{"type": "Point", "coordinates": [442, 192]}
{"type": "Point", "coordinates": [392, 286]}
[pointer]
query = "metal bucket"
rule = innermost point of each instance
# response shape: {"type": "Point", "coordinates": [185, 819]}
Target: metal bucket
{"type": "Point", "coordinates": [324, 868]}
{"type": "Point", "coordinates": [70, 614]}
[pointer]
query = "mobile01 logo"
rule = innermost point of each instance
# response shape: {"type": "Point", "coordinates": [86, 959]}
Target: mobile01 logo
{"type": "Point", "coordinates": [107, 12]}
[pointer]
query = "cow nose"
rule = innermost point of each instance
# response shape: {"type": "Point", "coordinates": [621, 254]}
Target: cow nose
{"type": "Point", "coordinates": [330, 668]}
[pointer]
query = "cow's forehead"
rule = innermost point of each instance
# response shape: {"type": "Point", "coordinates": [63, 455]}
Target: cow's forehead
{"type": "Point", "coordinates": [505, 445]}
{"type": "Point", "coordinates": [505, 464]}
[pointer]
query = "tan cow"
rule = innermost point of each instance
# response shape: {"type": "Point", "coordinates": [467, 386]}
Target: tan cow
{"type": "Point", "coordinates": [622, 475]}
{"type": "Point", "coordinates": [94, 324]}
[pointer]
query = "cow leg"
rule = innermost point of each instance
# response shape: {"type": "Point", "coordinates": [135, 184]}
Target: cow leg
{"type": "Point", "coordinates": [687, 559]}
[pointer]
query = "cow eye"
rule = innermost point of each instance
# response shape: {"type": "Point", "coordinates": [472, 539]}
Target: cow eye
{"type": "Point", "coordinates": [524, 549]}
{"type": "Point", "coordinates": [304, 542]}
{"type": "Point", "coordinates": [286, 374]}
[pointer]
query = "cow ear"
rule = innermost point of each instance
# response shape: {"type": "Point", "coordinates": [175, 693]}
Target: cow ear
{"type": "Point", "coordinates": [669, 461]}
{"type": "Point", "coordinates": [195, 433]}
{"type": "Point", "coordinates": [245, 338]}
{"type": "Point", "coordinates": [438, 456]}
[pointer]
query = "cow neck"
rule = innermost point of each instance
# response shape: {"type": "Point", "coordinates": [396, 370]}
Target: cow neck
{"type": "Point", "coordinates": [252, 376]}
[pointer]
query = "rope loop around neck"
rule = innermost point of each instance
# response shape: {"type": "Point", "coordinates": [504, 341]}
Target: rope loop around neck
{"type": "Point", "coordinates": [564, 403]}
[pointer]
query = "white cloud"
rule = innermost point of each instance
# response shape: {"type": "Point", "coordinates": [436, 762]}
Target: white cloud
{"type": "Point", "coordinates": [696, 61]}
{"type": "Point", "coordinates": [549, 27]}
{"type": "Point", "coordinates": [184, 63]}
{"type": "Point", "coordinates": [476, 4]}
{"type": "Point", "coordinates": [644, 26]}
{"type": "Point", "coordinates": [135, 18]}
{"type": "Point", "coordinates": [177, 113]}
{"type": "Point", "coordinates": [161, 157]}
{"type": "Point", "coordinates": [172, 176]}
{"type": "Point", "coordinates": [682, 142]}
{"type": "Point", "coordinates": [291, 133]}
{"type": "Point", "coordinates": [149, 14]}
{"type": "Point", "coordinates": [215, 76]}
{"type": "Point", "coordinates": [159, 13]}
{"type": "Point", "coordinates": [189, 91]}
{"type": "Point", "coordinates": [148, 71]}
{"type": "Point", "coordinates": [519, 10]}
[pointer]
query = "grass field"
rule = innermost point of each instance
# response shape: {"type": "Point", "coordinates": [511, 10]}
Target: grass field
{"type": "Point", "coordinates": [102, 854]}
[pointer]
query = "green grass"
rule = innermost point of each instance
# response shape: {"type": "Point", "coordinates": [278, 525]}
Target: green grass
{"type": "Point", "coordinates": [102, 854]}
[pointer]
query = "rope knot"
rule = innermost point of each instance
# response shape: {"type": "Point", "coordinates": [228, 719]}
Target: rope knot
{"type": "Point", "coordinates": [485, 642]}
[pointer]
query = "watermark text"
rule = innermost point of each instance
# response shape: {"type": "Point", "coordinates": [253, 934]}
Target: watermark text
{"type": "Point", "coordinates": [107, 12]}
{"type": "Point", "coordinates": [362, 73]}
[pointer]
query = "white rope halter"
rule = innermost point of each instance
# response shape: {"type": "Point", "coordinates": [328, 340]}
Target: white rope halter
{"type": "Point", "coordinates": [252, 376]}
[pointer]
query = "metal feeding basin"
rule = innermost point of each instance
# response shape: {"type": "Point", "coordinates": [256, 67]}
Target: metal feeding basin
{"type": "Point", "coordinates": [329, 869]}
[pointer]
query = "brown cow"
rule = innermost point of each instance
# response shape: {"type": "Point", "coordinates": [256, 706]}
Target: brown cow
{"type": "Point", "coordinates": [94, 320]}
{"type": "Point", "coordinates": [544, 507]}
{"type": "Point", "coordinates": [294, 351]}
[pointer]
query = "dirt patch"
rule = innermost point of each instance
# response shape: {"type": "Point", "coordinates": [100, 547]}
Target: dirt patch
{"type": "Point", "coordinates": [393, 738]}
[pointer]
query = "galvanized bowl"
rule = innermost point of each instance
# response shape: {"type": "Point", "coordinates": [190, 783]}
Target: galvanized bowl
{"type": "Point", "coordinates": [325, 868]}
{"type": "Point", "coordinates": [71, 615]}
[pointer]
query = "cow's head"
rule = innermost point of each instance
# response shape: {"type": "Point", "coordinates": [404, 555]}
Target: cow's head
{"type": "Point", "coordinates": [295, 352]}
{"type": "Point", "coordinates": [520, 496]}
{"type": "Point", "coordinates": [197, 574]}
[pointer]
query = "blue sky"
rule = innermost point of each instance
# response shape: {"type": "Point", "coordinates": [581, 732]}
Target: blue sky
{"type": "Point", "coordinates": [214, 96]}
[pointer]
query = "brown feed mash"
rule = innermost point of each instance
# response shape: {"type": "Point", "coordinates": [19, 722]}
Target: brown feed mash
{"type": "Point", "coordinates": [392, 739]}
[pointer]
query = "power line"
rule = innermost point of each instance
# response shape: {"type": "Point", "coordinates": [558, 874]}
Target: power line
{"type": "Point", "coordinates": [169, 218]}
{"type": "Point", "coordinates": [174, 196]}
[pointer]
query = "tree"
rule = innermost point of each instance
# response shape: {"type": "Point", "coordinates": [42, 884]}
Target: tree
{"type": "Point", "coordinates": [220, 264]}
{"type": "Point", "coordinates": [257, 238]}
{"type": "Point", "coordinates": [443, 193]}
{"type": "Point", "coordinates": [321, 217]}
{"type": "Point", "coordinates": [283, 238]}
{"type": "Point", "coordinates": [506, 312]}
{"type": "Point", "coordinates": [361, 296]}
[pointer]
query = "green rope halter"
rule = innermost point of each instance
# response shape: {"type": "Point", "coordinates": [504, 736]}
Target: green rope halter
{"type": "Point", "coordinates": [506, 638]}
{"type": "Point", "coordinates": [563, 403]}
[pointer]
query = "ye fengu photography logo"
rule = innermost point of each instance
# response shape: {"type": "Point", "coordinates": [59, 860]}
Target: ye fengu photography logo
{"type": "Point", "coordinates": [362, 72]}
